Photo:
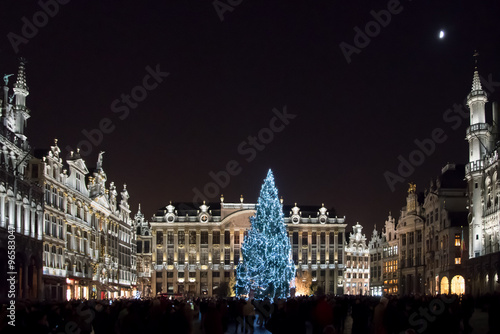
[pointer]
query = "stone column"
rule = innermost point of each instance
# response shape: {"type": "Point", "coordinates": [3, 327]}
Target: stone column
{"type": "Point", "coordinates": [2, 210]}
{"type": "Point", "coordinates": [33, 222]}
{"type": "Point", "coordinates": [231, 248]}
{"type": "Point", "coordinates": [210, 283]}
{"type": "Point", "coordinates": [198, 282]}
{"type": "Point", "coordinates": [26, 219]}
{"type": "Point", "coordinates": [18, 216]}
{"type": "Point", "coordinates": [164, 247]}
{"type": "Point", "coordinates": [198, 248]}
{"type": "Point", "coordinates": [153, 247]}
{"type": "Point", "coordinates": [300, 249]}
{"type": "Point", "coordinates": [12, 207]}
{"type": "Point", "coordinates": [309, 248]}
{"type": "Point", "coordinates": [210, 241]}
{"type": "Point", "coordinates": [327, 281]}
{"type": "Point", "coordinates": [176, 246]}
{"type": "Point", "coordinates": [327, 249]}
{"type": "Point", "coordinates": [335, 260]}
{"type": "Point", "coordinates": [164, 282]}
{"type": "Point", "coordinates": [153, 282]}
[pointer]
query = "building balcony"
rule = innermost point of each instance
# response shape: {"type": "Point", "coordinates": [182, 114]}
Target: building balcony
{"type": "Point", "coordinates": [474, 128]}
{"type": "Point", "coordinates": [491, 210]}
{"type": "Point", "coordinates": [11, 136]}
{"type": "Point", "coordinates": [474, 166]}
{"type": "Point", "coordinates": [54, 272]}
{"type": "Point", "coordinates": [475, 94]}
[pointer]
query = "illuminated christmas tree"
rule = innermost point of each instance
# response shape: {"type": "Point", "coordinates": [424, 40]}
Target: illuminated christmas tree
{"type": "Point", "coordinates": [267, 268]}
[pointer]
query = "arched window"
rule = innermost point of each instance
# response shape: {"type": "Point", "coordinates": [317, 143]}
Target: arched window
{"type": "Point", "coordinates": [458, 285]}
{"type": "Point", "coordinates": [445, 285]}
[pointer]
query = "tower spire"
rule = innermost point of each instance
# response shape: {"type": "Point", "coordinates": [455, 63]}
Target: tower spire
{"type": "Point", "coordinates": [21, 76]}
{"type": "Point", "coordinates": [476, 81]}
{"type": "Point", "coordinates": [478, 135]}
{"type": "Point", "coordinates": [22, 113]}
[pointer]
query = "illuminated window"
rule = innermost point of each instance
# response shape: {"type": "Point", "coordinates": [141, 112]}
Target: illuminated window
{"type": "Point", "coordinates": [457, 239]}
{"type": "Point", "coordinates": [458, 260]}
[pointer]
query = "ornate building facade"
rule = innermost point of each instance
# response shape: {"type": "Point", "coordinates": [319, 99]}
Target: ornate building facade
{"type": "Point", "coordinates": [410, 229]}
{"type": "Point", "coordinates": [390, 257]}
{"type": "Point", "coordinates": [144, 254]}
{"type": "Point", "coordinates": [195, 250]}
{"type": "Point", "coordinates": [21, 201]}
{"type": "Point", "coordinates": [445, 232]}
{"type": "Point", "coordinates": [89, 245]}
{"type": "Point", "coordinates": [483, 191]}
{"type": "Point", "coordinates": [357, 272]}
{"type": "Point", "coordinates": [376, 247]}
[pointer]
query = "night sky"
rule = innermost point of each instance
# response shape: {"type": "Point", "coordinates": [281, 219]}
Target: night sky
{"type": "Point", "coordinates": [348, 121]}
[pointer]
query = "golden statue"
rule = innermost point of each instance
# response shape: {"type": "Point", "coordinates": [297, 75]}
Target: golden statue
{"type": "Point", "coordinates": [412, 188]}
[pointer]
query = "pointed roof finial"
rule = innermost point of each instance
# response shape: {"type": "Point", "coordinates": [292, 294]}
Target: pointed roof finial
{"type": "Point", "coordinates": [241, 197]}
{"type": "Point", "coordinates": [476, 81]}
{"type": "Point", "coordinates": [222, 198]}
{"type": "Point", "coordinates": [21, 76]}
{"type": "Point", "coordinates": [139, 210]}
{"type": "Point", "coordinates": [281, 200]}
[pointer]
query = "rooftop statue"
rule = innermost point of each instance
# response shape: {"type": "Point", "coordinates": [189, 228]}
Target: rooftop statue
{"type": "Point", "coordinates": [6, 78]}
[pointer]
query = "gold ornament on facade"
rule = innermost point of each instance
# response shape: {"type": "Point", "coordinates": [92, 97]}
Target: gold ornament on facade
{"type": "Point", "coordinates": [412, 188]}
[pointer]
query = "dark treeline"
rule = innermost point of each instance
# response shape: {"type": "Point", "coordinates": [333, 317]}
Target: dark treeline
{"type": "Point", "coordinates": [316, 315]}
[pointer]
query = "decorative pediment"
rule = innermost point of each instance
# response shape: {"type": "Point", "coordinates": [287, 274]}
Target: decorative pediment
{"type": "Point", "coordinates": [239, 219]}
{"type": "Point", "coordinates": [79, 164]}
{"type": "Point", "coordinates": [103, 201]}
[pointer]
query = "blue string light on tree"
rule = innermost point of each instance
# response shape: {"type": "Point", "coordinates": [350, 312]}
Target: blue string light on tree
{"type": "Point", "coordinates": [267, 268]}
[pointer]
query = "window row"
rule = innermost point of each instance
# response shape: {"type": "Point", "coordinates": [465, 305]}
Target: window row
{"type": "Point", "coordinates": [190, 237]}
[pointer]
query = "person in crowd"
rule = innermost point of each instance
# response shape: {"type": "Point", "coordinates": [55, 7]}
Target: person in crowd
{"type": "Point", "coordinates": [379, 326]}
{"type": "Point", "coordinates": [249, 315]}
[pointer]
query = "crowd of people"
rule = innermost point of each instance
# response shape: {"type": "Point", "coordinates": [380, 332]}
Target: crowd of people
{"type": "Point", "coordinates": [315, 314]}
